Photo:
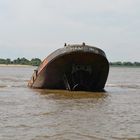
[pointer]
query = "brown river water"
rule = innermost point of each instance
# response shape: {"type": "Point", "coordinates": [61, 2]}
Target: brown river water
{"type": "Point", "coordinates": [29, 114]}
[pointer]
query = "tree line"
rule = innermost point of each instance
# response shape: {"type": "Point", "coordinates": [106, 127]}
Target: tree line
{"type": "Point", "coordinates": [119, 63]}
{"type": "Point", "coordinates": [21, 61]}
{"type": "Point", "coordinates": [37, 61]}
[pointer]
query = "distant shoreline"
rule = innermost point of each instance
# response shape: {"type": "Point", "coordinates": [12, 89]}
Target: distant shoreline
{"type": "Point", "coordinates": [20, 62]}
{"type": "Point", "coordinates": [22, 65]}
{"type": "Point", "coordinates": [23, 62]}
{"type": "Point", "coordinates": [36, 62]}
{"type": "Point", "coordinates": [14, 65]}
{"type": "Point", "coordinates": [123, 66]}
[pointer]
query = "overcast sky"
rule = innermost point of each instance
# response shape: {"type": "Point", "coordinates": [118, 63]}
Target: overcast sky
{"type": "Point", "coordinates": [35, 28]}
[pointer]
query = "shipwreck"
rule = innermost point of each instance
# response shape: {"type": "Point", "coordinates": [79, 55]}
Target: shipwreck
{"type": "Point", "coordinates": [77, 67]}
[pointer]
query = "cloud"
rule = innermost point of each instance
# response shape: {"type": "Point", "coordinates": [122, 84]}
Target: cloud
{"type": "Point", "coordinates": [37, 25]}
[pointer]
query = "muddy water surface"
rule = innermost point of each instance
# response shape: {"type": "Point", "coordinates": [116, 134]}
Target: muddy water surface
{"type": "Point", "coordinates": [30, 114]}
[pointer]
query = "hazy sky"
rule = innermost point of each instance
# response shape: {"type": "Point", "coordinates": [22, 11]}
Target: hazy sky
{"type": "Point", "coordinates": [35, 28]}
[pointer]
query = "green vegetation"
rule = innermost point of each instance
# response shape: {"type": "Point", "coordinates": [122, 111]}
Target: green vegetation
{"type": "Point", "coordinates": [128, 64]}
{"type": "Point", "coordinates": [21, 61]}
{"type": "Point", "coordinates": [37, 61]}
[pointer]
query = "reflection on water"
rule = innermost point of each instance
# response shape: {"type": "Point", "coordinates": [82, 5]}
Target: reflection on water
{"type": "Point", "coordinates": [64, 94]}
{"type": "Point", "coordinates": [35, 114]}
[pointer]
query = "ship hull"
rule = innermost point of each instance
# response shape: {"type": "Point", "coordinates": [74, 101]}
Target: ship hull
{"type": "Point", "coordinates": [73, 69]}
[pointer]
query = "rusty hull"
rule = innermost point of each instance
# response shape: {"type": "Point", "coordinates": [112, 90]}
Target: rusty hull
{"type": "Point", "coordinates": [74, 67]}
